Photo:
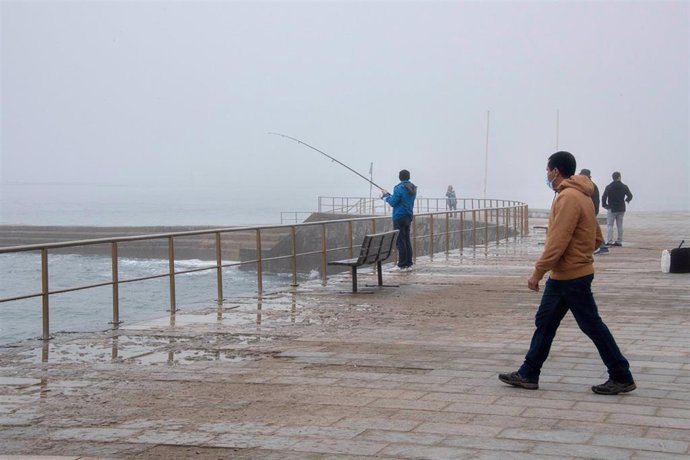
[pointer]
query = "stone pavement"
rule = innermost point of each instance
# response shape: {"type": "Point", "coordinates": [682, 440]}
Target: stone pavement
{"type": "Point", "coordinates": [403, 372]}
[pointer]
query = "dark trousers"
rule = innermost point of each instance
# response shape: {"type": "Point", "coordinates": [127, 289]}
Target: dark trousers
{"type": "Point", "coordinates": [404, 244]}
{"type": "Point", "coordinates": [574, 295]}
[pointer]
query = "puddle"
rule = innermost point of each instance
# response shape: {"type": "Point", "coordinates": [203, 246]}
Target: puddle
{"type": "Point", "coordinates": [102, 350]}
{"type": "Point", "coordinates": [189, 356]}
{"type": "Point", "coordinates": [255, 311]}
{"type": "Point", "coordinates": [146, 349]}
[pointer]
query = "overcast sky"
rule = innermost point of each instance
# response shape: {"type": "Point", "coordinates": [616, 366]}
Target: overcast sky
{"type": "Point", "coordinates": [185, 93]}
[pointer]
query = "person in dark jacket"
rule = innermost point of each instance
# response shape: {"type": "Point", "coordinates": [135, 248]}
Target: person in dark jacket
{"type": "Point", "coordinates": [595, 194]}
{"type": "Point", "coordinates": [602, 249]}
{"type": "Point", "coordinates": [402, 201]}
{"type": "Point", "coordinates": [616, 194]}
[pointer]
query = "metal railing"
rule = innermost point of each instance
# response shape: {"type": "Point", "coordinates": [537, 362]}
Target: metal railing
{"type": "Point", "coordinates": [311, 243]}
{"type": "Point", "coordinates": [376, 206]}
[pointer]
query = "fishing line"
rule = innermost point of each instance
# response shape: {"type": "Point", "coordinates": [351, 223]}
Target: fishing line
{"type": "Point", "coordinates": [327, 155]}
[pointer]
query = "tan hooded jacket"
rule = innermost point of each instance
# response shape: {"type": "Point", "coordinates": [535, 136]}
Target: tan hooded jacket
{"type": "Point", "coordinates": [573, 233]}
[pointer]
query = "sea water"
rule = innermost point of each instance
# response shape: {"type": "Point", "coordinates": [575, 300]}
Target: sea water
{"type": "Point", "coordinates": [92, 309]}
{"type": "Point", "coordinates": [113, 205]}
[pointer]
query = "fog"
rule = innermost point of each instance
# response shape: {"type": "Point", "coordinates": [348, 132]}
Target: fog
{"type": "Point", "coordinates": [183, 94]}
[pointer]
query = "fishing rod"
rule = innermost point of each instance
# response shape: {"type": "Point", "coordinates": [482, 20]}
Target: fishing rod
{"type": "Point", "coordinates": [327, 155]}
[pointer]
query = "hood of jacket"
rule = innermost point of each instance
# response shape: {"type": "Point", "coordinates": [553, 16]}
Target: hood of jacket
{"type": "Point", "coordinates": [411, 188]}
{"type": "Point", "coordinates": [580, 183]}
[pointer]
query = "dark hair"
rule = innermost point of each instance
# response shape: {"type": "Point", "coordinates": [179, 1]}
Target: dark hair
{"type": "Point", "coordinates": [564, 161]}
{"type": "Point", "coordinates": [616, 175]}
{"type": "Point", "coordinates": [404, 175]}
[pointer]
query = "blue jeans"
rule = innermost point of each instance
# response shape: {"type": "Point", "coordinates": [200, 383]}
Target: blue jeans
{"type": "Point", "coordinates": [574, 295]}
{"type": "Point", "coordinates": [404, 244]}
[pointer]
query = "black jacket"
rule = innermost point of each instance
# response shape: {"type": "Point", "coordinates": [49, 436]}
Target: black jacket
{"type": "Point", "coordinates": [615, 196]}
{"type": "Point", "coordinates": [595, 198]}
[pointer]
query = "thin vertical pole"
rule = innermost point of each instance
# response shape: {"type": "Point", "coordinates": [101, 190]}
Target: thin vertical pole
{"type": "Point", "coordinates": [293, 234]}
{"type": "Point", "coordinates": [507, 223]}
{"type": "Point", "coordinates": [171, 268]}
{"type": "Point", "coordinates": [219, 269]}
{"type": "Point", "coordinates": [462, 230]}
{"type": "Point", "coordinates": [371, 178]}
{"type": "Point", "coordinates": [116, 284]}
{"type": "Point", "coordinates": [349, 238]}
{"type": "Point", "coordinates": [324, 261]}
{"type": "Point", "coordinates": [414, 238]}
{"type": "Point", "coordinates": [515, 221]}
{"type": "Point", "coordinates": [486, 155]}
{"type": "Point", "coordinates": [431, 236]}
{"type": "Point", "coordinates": [558, 122]}
{"type": "Point", "coordinates": [486, 227]}
{"type": "Point", "coordinates": [259, 268]}
{"type": "Point", "coordinates": [447, 233]}
{"type": "Point", "coordinates": [498, 226]}
{"type": "Point", "coordinates": [474, 228]}
{"type": "Point", "coordinates": [44, 294]}
{"type": "Point", "coordinates": [526, 229]}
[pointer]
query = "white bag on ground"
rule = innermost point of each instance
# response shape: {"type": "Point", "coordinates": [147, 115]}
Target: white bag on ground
{"type": "Point", "coordinates": [665, 261]}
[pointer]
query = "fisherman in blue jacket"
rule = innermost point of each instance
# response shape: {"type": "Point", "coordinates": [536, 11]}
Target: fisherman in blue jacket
{"type": "Point", "coordinates": [402, 201]}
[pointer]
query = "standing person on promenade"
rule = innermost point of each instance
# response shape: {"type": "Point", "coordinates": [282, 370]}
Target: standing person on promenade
{"type": "Point", "coordinates": [573, 234]}
{"type": "Point", "coordinates": [602, 249]}
{"type": "Point", "coordinates": [595, 194]}
{"type": "Point", "coordinates": [451, 199]}
{"type": "Point", "coordinates": [402, 201]}
{"type": "Point", "coordinates": [616, 194]}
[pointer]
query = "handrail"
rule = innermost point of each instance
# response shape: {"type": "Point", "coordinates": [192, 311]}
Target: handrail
{"type": "Point", "coordinates": [429, 235]}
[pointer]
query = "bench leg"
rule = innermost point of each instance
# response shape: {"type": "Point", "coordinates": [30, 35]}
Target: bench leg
{"type": "Point", "coordinates": [379, 271]}
{"type": "Point", "coordinates": [354, 279]}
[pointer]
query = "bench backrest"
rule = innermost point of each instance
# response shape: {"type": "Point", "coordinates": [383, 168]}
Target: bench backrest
{"type": "Point", "coordinates": [377, 247]}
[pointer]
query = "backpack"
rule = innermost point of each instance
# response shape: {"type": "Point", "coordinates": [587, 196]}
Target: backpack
{"type": "Point", "coordinates": [676, 261]}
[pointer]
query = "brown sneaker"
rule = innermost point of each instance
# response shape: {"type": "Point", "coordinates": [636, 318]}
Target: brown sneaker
{"type": "Point", "coordinates": [517, 380]}
{"type": "Point", "coordinates": [611, 387]}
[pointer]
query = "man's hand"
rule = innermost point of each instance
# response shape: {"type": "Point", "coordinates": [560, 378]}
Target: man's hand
{"type": "Point", "coordinates": [384, 193]}
{"type": "Point", "coordinates": [533, 284]}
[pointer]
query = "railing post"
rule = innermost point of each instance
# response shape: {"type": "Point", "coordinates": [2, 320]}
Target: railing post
{"type": "Point", "coordinates": [171, 267]}
{"type": "Point", "coordinates": [349, 238]}
{"type": "Point", "coordinates": [219, 269]}
{"type": "Point", "coordinates": [447, 233]}
{"type": "Point", "coordinates": [44, 294]}
{"type": "Point", "coordinates": [507, 223]}
{"type": "Point", "coordinates": [294, 255]}
{"type": "Point", "coordinates": [526, 230]}
{"type": "Point", "coordinates": [515, 221]}
{"type": "Point", "coordinates": [259, 268]}
{"type": "Point", "coordinates": [486, 226]}
{"type": "Point", "coordinates": [498, 226]}
{"type": "Point", "coordinates": [414, 238]}
{"type": "Point", "coordinates": [474, 228]}
{"type": "Point", "coordinates": [462, 230]}
{"type": "Point", "coordinates": [116, 284]}
{"type": "Point", "coordinates": [324, 259]}
{"type": "Point", "coordinates": [431, 236]}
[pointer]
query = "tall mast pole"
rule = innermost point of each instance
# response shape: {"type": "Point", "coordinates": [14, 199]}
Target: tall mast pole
{"type": "Point", "coordinates": [486, 153]}
{"type": "Point", "coordinates": [557, 126]}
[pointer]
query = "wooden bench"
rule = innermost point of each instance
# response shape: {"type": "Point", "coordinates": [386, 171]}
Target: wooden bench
{"type": "Point", "coordinates": [375, 249]}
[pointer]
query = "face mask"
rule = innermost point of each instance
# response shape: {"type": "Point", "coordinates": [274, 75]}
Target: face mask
{"type": "Point", "coordinates": [549, 183]}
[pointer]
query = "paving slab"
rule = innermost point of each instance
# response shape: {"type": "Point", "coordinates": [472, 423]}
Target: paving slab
{"type": "Point", "coordinates": [317, 372]}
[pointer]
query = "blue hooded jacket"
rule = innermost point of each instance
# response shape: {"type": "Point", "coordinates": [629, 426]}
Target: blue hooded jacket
{"type": "Point", "coordinates": [402, 199]}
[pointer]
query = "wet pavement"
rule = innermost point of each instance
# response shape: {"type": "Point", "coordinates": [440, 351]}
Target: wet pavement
{"type": "Point", "coordinates": [398, 372]}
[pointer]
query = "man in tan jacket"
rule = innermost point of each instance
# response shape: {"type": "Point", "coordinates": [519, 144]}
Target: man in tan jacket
{"type": "Point", "coordinates": [572, 237]}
